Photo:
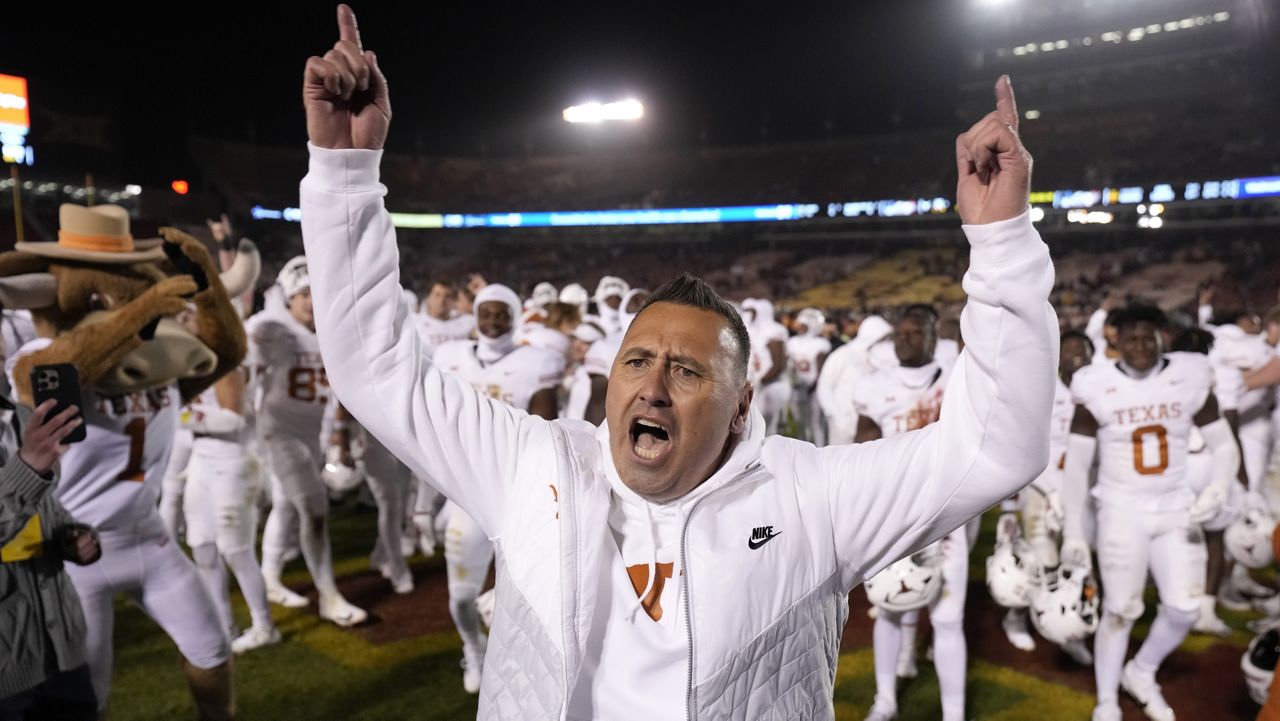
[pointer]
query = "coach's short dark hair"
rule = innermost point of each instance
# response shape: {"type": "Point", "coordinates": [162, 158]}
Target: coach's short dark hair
{"type": "Point", "coordinates": [1135, 314]}
{"type": "Point", "coordinates": [691, 291]}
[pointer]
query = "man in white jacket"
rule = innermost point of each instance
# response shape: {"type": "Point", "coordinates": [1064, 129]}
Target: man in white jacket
{"type": "Point", "coordinates": [841, 371]}
{"type": "Point", "coordinates": [674, 544]}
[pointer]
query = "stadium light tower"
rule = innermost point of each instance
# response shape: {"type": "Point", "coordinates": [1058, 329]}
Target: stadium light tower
{"type": "Point", "coordinates": [627, 110]}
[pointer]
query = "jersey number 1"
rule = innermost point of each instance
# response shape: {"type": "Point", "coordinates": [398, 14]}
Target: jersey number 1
{"type": "Point", "coordinates": [1140, 460]}
{"type": "Point", "coordinates": [137, 432]}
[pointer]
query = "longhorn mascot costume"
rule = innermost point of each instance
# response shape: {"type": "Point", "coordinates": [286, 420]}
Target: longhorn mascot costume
{"type": "Point", "coordinates": [106, 303]}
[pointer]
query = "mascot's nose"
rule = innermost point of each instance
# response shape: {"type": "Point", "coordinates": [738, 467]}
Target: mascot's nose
{"type": "Point", "coordinates": [174, 353]}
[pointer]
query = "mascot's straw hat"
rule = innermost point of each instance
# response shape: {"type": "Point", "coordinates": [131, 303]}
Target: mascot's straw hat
{"type": "Point", "coordinates": [96, 235]}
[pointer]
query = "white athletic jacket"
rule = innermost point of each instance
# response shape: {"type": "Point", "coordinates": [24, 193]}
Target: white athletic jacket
{"type": "Point", "coordinates": [763, 620]}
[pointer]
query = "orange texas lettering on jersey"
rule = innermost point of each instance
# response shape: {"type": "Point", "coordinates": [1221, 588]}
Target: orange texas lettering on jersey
{"type": "Point", "coordinates": [145, 402]}
{"type": "Point", "coordinates": [925, 412]}
{"type": "Point", "coordinates": [1149, 413]}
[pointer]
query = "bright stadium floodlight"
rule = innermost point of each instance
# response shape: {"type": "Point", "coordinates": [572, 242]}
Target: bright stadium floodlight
{"type": "Point", "coordinates": [629, 109]}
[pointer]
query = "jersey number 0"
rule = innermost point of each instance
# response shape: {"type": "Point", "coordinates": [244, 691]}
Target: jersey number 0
{"type": "Point", "coordinates": [1142, 460]}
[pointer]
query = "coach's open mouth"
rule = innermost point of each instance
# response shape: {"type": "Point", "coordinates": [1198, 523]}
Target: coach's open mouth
{"type": "Point", "coordinates": [650, 439]}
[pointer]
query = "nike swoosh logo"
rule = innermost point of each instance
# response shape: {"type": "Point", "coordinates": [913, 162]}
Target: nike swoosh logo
{"type": "Point", "coordinates": [753, 545]}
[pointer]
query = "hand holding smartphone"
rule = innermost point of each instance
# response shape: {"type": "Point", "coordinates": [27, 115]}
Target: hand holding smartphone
{"type": "Point", "coordinates": [59, 382]}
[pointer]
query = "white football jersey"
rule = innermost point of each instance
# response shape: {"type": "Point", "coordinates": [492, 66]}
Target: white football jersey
{"type": "Point", "coordinates": [856, 363]}
{"type": "Point", "coordinates": [190, 415]}
{"type": "Point", "coordinates": [1228, 384]}
{"type": "Point", "coordinates": [1064, 409]}
{"type": "Point", "coordinates": [111, 479]}
{"type": "Point", "coordinates": [435, 332]}
{"type": "Point", "coordinates": [194, 415]}
{"type": "Point", "coordinates": [804, 351]}
{"type": "Point", "coordinates": [761, 335]}
{"type": "Point", "coordinates": [579, 395]}
{"type": "Point", "coordinates": [292, 387]}
{"type": "Point", "coordinates": [1235, 353]}
{"type": "Point", "coordinates": [901, 399]}
{"type": "Point", "coordinates": [1144, 426]}
{"type": "Point", "coordinates": [514, 379]}
{"type": "Point", "coordinates": [537, 334]}
{"type": "Point", "coordinates": [601, 354]}
{"type": "Point", "coordinates": [16, 330]}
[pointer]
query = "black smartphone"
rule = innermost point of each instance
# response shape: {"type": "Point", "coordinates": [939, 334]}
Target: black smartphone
{"type": "Point", "coordinates": [60, 382]}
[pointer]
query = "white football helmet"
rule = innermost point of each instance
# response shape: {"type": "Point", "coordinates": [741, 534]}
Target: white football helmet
{"type": "Point", "coordinates": [574, 294]}
{"type": "Point", "coordinates": [1064, 605]}
{"type": "Point", "coordinates": [337, 476]}
{"type": "Point", "coordinates": [1259, 663]}
{"type": "Point", "coordinates": [1248, 538]}
{"type": "Point", "coordinates": [293, 277]}
{"type": "Point", "coordinates": [813, 320]}
{"type": "Point", "coordinates": [610, 285]}
{"type": "Point", "coordinates": [1013, 570]}
{"type": "Point", "coordinates": [910, 583]}
{"type": "Point", "coordinates": [544, 294]}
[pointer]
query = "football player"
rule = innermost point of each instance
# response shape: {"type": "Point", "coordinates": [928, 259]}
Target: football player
{"type": "Point", "coordinates": [1137, 414]}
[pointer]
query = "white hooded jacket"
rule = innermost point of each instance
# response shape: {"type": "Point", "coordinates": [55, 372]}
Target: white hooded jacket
{"type": "Point", "coordinates": [843, 368]}
{"type": "Point", "coordinates": [762, 618]}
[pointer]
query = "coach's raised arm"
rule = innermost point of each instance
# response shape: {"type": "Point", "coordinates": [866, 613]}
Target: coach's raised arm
{"type": "Point", "coordinates": [993, 435]}
{"type": "Point", "coordinates": [676, 536]}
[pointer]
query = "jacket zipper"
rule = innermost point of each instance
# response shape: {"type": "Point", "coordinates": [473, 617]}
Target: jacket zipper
{"type": "Point", "coordinates": [688, 586]}
{"type": "Point", "coordinates": [566, 516]}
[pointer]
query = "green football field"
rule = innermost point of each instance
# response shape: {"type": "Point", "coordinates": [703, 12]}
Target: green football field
{"type": "Point", "coordinates": [404, 664]}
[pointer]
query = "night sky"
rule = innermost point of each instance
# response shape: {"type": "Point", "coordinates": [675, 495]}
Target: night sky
{"type": "Point", "coordinates": [478, 78]}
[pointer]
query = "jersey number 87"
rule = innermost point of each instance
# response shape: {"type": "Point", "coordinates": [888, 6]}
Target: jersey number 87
{"type": "Point", "coordinates": [304, 384]}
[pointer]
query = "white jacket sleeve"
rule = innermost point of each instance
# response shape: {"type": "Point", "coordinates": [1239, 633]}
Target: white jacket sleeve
{"type": "Point", "coordinates": [892, 497]}
{"type": "Point", "coordinates": [376, 362]}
